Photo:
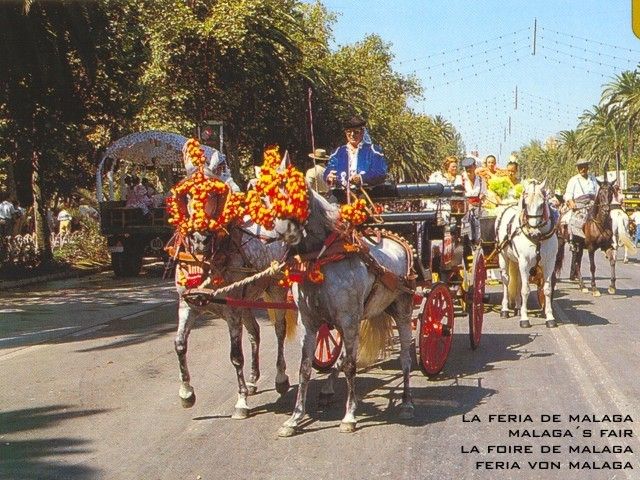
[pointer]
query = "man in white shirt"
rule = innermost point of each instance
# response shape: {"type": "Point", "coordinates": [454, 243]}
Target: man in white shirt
{"type": "Point", "coordinates": [7, 214]}
{"type": "Point", "coordinates": [580, 193]}
{"type": "Point", "coordinates": [314, 175]}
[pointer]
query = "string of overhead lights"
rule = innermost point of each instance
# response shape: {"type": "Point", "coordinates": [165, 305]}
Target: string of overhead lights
{"type": "Point", "coordinates": [464, 47]}
{"type": "Point", "coordinates": [573, 66]}
{"type": "Point", "coordinates": [589, 40]}
{"type": "Point", "coordinates": [475, 74]}
{"type": "Point", "coordinates": [587, 50]}
{"type": "Point", "coordinates": [548, 100]}
{"type": "Point", "coordinates": [473, 55]}
{"type": "Point", "coordinates": [585, 59]}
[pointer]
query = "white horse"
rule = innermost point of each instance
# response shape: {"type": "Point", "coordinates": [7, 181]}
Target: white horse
{"type": "Point", "coordinates": [621, 237]}
{"type": "Point", "coordinates": [525, 235]}
{"type": "Point", "coordinates": [352, 290]}
{"type": "Point", "coordinates": [245, 249]}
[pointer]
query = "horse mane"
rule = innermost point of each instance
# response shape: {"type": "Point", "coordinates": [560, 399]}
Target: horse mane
{"type": "Point", "coordinates": [324, 217]}
{"type": "Point", "coordinates": [603, 198]}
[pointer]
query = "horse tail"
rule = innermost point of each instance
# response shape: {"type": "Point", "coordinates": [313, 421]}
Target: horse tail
{"type": "Point", "coordinates": [376, 335]}
{"type": "Point", "coordinates": [291, 322]}
{"type": "Point", "coordinates": [290, 318]}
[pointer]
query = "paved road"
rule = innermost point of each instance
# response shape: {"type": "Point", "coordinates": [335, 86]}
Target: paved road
{"type": "Point", "coordinates": [90, 384]}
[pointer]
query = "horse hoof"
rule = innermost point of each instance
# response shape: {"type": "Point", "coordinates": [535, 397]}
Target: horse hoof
{"type": "Point", "coordinates": [596, 293]}
{"type": "Point", "coordinates": [286, 432]}
{"type": "Point", "coordinates": [504, 314]}
{"type": "Point", "coordinates": [525, 324]}
{"type": "Point", "coordinates": [406, 412]}
{"type": "Point", "coordinates": [585, 290]}
{"type": "Point", "coordinates": [251, 389]}
{"type": "Point", "coordinates": [283, 387]}
{"type": "Point", "coordinates": [188, 402]}
{"type": "Point", "coordinates": [240, 413]}
{"type": "Point", "coordinates": [347, 427]}
{"type": "Point", "coordinates": [612, 290]}
{"type": "Point", "coordinates": [551, 324]}
{"type": "Point", "coordinates": [325, 399]}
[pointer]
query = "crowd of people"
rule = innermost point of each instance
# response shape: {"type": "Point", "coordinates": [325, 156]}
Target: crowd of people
{"type": "Point", "coordinates": [17, 220]}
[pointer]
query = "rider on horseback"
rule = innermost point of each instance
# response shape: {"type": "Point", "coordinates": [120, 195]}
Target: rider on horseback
{"type": "Point", "coordinates": [580, 193]}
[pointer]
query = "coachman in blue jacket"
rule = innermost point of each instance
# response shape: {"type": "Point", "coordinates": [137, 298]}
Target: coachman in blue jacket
{"type": "Point", "coordinates": [358, 160]}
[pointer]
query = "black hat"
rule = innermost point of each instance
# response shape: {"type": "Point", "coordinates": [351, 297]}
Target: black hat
{"type": "Point", "coordinates": [468, 162]}
{"type": "Point", "coordinates": [354, 122]}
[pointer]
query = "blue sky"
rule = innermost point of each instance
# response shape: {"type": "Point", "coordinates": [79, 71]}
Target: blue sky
{"type": "Point", "coordinates": [470, 55]}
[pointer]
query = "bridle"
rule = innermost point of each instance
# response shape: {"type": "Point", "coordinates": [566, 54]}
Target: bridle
{"type": "Point", "coordinates": [534, 230]}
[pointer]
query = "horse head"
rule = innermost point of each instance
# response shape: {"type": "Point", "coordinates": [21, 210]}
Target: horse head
{"type": "Point", "coordinates": [602, 203]}
{"type": "Point", "coordinates": [309, 235]}
{"type": "Point", "coordinates": [533, 204]}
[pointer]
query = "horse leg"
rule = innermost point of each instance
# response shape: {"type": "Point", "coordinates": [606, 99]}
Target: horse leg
{"type": "Point", "coordinates": [280, 327]}
{"type": "Point", "coordinates": [186, 319]}
{"type": "Point", "coordinates": [290, 427]}
{"type": "Point", "coordinates": [350, 332]}
{"type": "Point", "coordinates": [612, 262]}
{"type": "Point", "coordinates": [504, 277]}
{"type": "Point", "coordinates": [402, 313]}
{"type": "Point", "coordinates": [525, 290]}
{"type": "Point", "coordinates": [253, 330]}
{"type": "Point", "coordinates": [592, 268]}
{"type": "Point", "coordinates": [234, 322]}
{"type": "Point", "coordinates": [578, 264]}
{"type": "Point", "coordinates": [327, 390]}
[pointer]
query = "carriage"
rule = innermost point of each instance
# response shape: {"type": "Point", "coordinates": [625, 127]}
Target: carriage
{"type": "Point", "coordinates": [451, 271]}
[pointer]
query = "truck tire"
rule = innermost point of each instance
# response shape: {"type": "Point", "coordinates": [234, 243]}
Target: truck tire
{"type": "Point", "coordinates": [133, 262]}
{"type": "Point", "coordinates": [127, 263]}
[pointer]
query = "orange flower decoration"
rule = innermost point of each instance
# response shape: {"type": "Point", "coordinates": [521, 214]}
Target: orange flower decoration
{"type": "Point", "coordinates": [354, 213]}
{"type": "Point", "coordinates": [286, 192]}
{"type": "Point", "coordinates": [193, 193]}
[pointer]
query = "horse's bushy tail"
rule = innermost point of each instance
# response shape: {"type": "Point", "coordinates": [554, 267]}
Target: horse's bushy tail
{"type": "Point", "coordinates": [290, 318]}
{"type": "Point", "coordinates": [376, 335]}
{"type": "Point", "coordinates": [291, 321]}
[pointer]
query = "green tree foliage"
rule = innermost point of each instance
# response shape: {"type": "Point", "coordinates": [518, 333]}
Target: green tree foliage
{"type": "Point", "coordinates": [77, 75]}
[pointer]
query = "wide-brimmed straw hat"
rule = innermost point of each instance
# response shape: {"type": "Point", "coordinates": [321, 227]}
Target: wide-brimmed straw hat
{"type": "Point", "coordinates": [582, 161]}
{"type": "Point", "coordinates": [319, 154]}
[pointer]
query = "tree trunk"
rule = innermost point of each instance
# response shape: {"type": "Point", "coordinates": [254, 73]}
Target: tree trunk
{"type": "Point", "coordinates": [43, 239]}
{"type": "Point", "coordinates": [629, 141]}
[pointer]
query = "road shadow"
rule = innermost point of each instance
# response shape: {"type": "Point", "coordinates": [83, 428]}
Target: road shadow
{"type": "Point", "coordinates": [379, 398]}
{"type": "Point", "coordinates": [28, 459]}
{"type": "Point", "coordinates": [578, 316]}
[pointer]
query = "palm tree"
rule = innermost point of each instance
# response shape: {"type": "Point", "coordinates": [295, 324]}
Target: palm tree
{"type": "Point", "coordinates": [624, 94]}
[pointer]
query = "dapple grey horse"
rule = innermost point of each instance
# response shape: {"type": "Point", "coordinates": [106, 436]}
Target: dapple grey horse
{"type": "Point", "coordinates": [349, 293]}
{"type": "Point", "coordinates": [246, 249]}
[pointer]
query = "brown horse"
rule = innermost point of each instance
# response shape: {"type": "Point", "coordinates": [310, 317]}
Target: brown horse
{"type": "Point", "coordinates": [598, 234]}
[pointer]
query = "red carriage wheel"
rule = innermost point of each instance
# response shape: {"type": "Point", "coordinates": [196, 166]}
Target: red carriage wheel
{"type": "Point", "coordinates": [436, 329]}
{"type": "Point", "coordinates": [476, 307]}
{"type": "Point", "coordinates": [328, 348]}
